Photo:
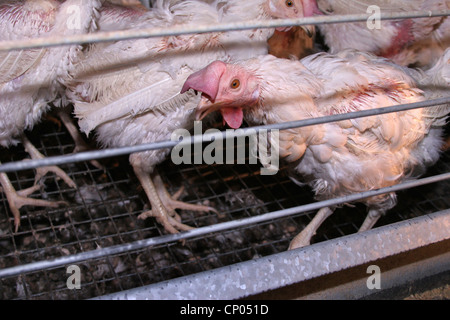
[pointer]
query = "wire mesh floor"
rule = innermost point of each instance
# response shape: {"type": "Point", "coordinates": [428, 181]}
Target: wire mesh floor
{"type": "Point", "coordinates": [103, 211]}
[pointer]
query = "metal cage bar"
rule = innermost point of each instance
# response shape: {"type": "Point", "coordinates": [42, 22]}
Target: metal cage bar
{"type": "Point", "coordinates": [155, 255]}
{"type": "Point", "coordinates": [175, 31]}
{"type": "Point", "coordinates": [99, 253]}
{"type": "Point", "coordinates": [111, 152]}
{"type": "Point", "coordinates": [287, 268]}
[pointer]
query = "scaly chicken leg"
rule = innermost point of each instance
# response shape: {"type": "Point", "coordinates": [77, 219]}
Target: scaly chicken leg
{"type": "Point", "coordinates": [304, 238]}
{"type": "Point", "coordinates": [80, 144]}
{"type": "Point", "coordinates": [371, 218]}
{"type": "Point", "coordinates": [42, 171]}
{"type": "Point", "coordinates": [163, 204]}
{"type": "Point", "coordinates": [18, 199]}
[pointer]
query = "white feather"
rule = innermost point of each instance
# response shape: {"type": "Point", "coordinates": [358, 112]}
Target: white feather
{"type": "Point", "coordinates": [358, 155]}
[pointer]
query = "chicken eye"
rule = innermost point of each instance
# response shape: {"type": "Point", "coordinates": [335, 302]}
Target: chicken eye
{"type": "Point", "coordinates": [235, 84]}
{"type": "Point", "coordinates": [289, 3]}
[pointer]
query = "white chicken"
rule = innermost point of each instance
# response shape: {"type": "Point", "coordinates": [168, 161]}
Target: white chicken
{"type": "Point", "coordinates": [129, 91]}
{"type": "Point", "coordinates": [418, 42]}
{"type": "Point", "coordinates": [31, 79]}
{"type": "Point", "coordinates": [340, 158]}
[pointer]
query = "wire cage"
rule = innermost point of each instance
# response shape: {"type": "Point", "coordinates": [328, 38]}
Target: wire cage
{"type": "Point", "coordinates": [98, 230]}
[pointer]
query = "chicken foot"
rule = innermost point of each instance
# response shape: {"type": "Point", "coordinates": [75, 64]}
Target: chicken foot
{"type": "Point", "coordinates": [163, 204]}
{"type": "Point", "coordinates": [42, 171]}
{"type": "Point", "coordinates": [18, 199]}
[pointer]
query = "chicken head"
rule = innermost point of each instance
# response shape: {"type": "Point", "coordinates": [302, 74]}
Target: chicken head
{"type": "Point", "coordinates": [291, 9]}
{"type": "Point", "coordinates": [224, 87]}
{"type": "Point", "coordinates": [337, 158]}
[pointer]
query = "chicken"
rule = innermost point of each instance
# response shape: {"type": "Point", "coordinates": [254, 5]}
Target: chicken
{"type": "Point", "coordinates": [340, 158]}
{"type": "Point", "coordinates": [129, 91]}
{"type": "Point", "coordinates": [419, 42]}
{"type": "Point", "coordinates": [31, 79]}
{"type": "Point", "coordinates": [293, 43]}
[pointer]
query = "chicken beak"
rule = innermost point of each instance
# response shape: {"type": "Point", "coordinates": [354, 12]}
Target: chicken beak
{"type": "Point", "coordinates": [205, 107]}
{"type": "Point", "coordinates": [310, 30]}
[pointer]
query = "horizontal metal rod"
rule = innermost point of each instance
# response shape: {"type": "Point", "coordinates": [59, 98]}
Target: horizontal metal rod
{"type": "Point", "coordinates": [222, 27]}
{"type": "Point", "coordinates": [286, 268]}
{"type": "Point", "coordinates": [118, 249]}
{"type": "Point", "coordinates": [114, 152]}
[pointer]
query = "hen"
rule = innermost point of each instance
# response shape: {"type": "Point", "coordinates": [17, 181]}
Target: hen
{"type": "Point", "coordinates": [129, 91]}
{"type": "Point", "coordinates": [293, 43]}
{"type": "Point", "coordinates": [340, 158]}
{"type": "Point", "coordinates": [418, 42]}
{"type": "Point", "coordinates": [31, 79]}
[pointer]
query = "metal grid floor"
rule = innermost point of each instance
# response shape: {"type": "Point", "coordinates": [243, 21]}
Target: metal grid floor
{"type": "Point", "coordinates": [103, 212]}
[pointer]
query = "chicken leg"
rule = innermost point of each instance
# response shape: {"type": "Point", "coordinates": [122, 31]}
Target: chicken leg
{"type": "Point", "coordinates": [164, 205]}
{"type": "Point", "coordinates": [80, 144]}
{"type": "Point", "coordinates": [18, 199]}
{"type": "Point", "coordinates": [42, 171]}
{"type": "Point", "coordinates": [372, 217]}
{"type": "Point", "coordinates": [304, 238]}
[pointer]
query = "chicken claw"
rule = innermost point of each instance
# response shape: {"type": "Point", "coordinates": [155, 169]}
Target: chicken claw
{"type": "Point", "coordinates": [164, 205]}
{"type": "Point", "coordinates": [18, 199]}
{"type": "Point", "coordinates": [41, 172]}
